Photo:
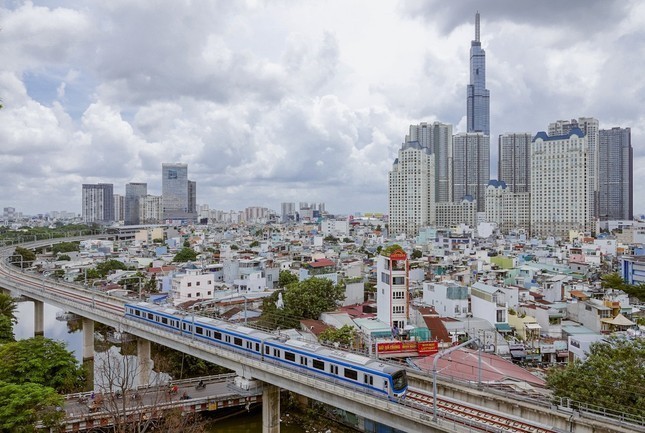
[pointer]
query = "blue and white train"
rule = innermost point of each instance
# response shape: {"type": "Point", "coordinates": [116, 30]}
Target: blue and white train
{"type": "Point", "coordinates": [350, 369]}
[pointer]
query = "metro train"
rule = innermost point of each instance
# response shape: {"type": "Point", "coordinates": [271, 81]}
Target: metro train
{"type": "Point", "coordinates": [349, 369]}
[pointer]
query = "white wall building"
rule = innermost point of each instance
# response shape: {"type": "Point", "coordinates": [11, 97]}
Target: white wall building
{"type": "Point", "coordinates": [411, 190]}
{"type": "Point", "coordinates": [489, 303]}
{"type": "Point", "coordinates": [561, 185]}
{"type": "Point", "coordinates": [449, 214]}
{"type": "Point", "coordinates": [449, 298]}
{"type": "Point", "coordinates": [392, 289]}
{"type": "Point", "coordinates": [192, 285]}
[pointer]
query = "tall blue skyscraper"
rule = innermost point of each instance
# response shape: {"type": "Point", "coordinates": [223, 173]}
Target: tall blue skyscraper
{"type": "Point", "coordinates": [478, 97]}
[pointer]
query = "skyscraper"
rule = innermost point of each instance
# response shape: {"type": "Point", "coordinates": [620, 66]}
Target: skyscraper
{"type": "Point", "coordinates": [175, 192]}
{"type": "Point", "coordinates": [559, 184]}
{"type": "Point", "coordinates": [411, 190]}
{"type": "Point", "coordinates": [134, 192]}
{"type": "Point", "coordinates": [589, 127]}
{"type": "Point", "coordinates": [471, 167]}
{"type": "Point", "coordinates": [437, 137]}
{"type": "Point", "coordinates": [98, 203]}
{"type": "Point", "coordinates": [615, 174]}
{"type": "Point", "coordinates": [478, 97]}
{"type": "Point", "coordinates": [514, 161]}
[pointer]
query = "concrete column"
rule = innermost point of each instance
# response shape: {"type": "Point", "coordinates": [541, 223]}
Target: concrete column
{"type": "Point", "coordinates": [88, 338]}
{"type": "Point", "coordinates": [39, 318]}
{"type": "Point", "coordinates": [145, 363]}
{"type": "Point", "coordinates": [270, 408]}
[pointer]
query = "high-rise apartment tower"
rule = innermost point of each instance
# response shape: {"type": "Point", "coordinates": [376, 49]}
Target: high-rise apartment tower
{"type": "Point", "coordinates": [615, 174]}
{"type": "Point", "coordinates": [98, 203]}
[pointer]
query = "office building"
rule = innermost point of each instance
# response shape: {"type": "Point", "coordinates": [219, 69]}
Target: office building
{"type": "Point", "coordinates": [175, 193]}
{"type": "Point", "coordinates": [471, 167]}
{"type": "Point", "coordinates": [98, 203]}
{"type": "Point", "coordinates": [411, 190]}
{"type": "Point", "coordinates": [615, 174]}
{"type": "Point", "coordinates": [514, 161]}
{"type": "Point", "coordinates": [478, 97]}
{"type": "Point", "coordinates": [560, 183]}
{"type": "Point", "coordinates": [134, 192]}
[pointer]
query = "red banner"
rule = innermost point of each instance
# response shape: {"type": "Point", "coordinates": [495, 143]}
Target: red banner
{"type": "Point", "coordinates": [422, 347]}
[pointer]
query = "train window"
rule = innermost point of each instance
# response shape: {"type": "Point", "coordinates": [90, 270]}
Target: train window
{"type": "Point", "coordinates": [303, 360]}
{"type": "Point", "coordinates": [290, 356]}
{"type": "Point", "coordinates": [317, 363]}
{"type": "Point", "coordinates": [217, 335]}
{"type": "Point", "coordinates": [237, 341]}
{"type": "Point", "coordinates": [150, 316]}
{"type": "Point", "coordinates": [228, 338]}
{"type": "Point", "coordinates": [333, 369]}
{"type": "Point", "coordinates": [137, 313]}
{"type": "Point", "coordinates": [257, 347]}
{"type": "Point", "coordinates": [368, 379]}
{"type": "Point", "coordinates": [199, 330]}
{"type": "Point", "coordinates": [164, 320]}
{"type": "Point", "coordinates": [208, 333]}
{"type": "Point", "coordinates": [351, 374]}
{"type": "Point", "coordinates": [266, 349]}
{"type": "Point", "coordinates": [276, 352]}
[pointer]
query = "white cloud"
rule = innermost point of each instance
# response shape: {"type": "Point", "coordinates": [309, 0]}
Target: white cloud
{"type": "Point", "coordinates": [288, 101]}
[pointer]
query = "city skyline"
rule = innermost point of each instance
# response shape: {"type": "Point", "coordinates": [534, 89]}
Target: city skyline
{"type": "Point", "coordinates": [280, 103]}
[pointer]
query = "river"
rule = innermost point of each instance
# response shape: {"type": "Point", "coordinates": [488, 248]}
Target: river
{"type": "Point", "coordinates": [58, 330]}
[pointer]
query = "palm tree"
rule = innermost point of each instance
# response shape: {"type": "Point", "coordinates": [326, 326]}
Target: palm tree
{"type": "Point", "coordinates": [8, 307]}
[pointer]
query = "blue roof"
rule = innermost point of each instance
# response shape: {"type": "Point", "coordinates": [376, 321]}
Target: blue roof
{"type": "Point", "coordinates": [545, 137]}
{"type": "Point", "coordinates": [497, 183]}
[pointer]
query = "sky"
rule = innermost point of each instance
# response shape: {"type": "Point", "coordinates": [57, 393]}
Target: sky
{"type": "Point", "coordinates": [290, 101]}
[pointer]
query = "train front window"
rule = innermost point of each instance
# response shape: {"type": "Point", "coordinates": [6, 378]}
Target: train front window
{"type": "Point", "coordinates": [400, 380]}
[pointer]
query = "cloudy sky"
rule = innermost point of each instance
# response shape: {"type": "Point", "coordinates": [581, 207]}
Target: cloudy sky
{"type": "Point", "coordinates": [285, 100]}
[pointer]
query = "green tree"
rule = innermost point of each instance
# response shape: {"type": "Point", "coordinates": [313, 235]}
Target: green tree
{"type": "Point", "coordinates": [285, 278]}
{"type": "Point", "coordinates": [254, 244]}
{"type": "Point", "coordinates": [344, 336]}
{"type": "Point", "coordinates": [416, 254]}
{"type": "Point", "coordinates": [42, 361]}
{"type": "Point", "coordinates": [331, 239]}
{"type": "Point", "coordinates": [303, 300]}
{"type": "Point", "coordinates": [23, 406]}
{"type": "Point", "coordinates": [65, 247]}
{"type": "Point", "coordinates": [6, 330]}
{"type": "Point", "coordinates": [390, 249]}
{"type": "Point", "coordinates": [611, 376]}
{"type": "Point", "coordinates": [28, 257]}
{"type": "Point", "coordinates": [615, 281]}
{"type": "Point", "coordinates": [185, 255]}
{"type": "Point", "coordinates": [64, 257]}
{"type": "Point", "coordinates": [8, 307]}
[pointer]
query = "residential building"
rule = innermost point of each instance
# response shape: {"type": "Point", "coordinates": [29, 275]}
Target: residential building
{"type": "Point", "coordinates": [98, 203]}
{"type": "Point", "coordinates": [560, 184]}
{"type": "Point", "coordinates": [471, 167]}
{"type": "Point", "coordinates": [392, 284]}
{"type": "Point", "coordinates": [192, 285]}
{"type": "Point", "coordinates": [192, 197]}
{"type": "Point", "coordinates": [411, 190]}
{"type": "Point", "coordinates": [437, 137]}
{"type": "Point", "coordinates": [451, 214]}
{"type": "Point", "coordinates": [514, 161]}
{"type": "Point", "coordinates": [175, 192]}
{"type": "Point", "coordinates": [448, 298]}
{"type": "Point", "coordinates": [478, 97]}
{"type": "Point", "coordinates": [288, 212]}
{"type": "Point", "coordinates": [590, 127]}
{"type": "Point", "coordinates": [134, 191]}
{"type": "Point", "coordinates": [507, 209]}
{"type": "Point", "coordinates": [489, 303]}
{"type": "Point", "coordinates": [615, 174]}
{"type": "Point", "coordinates": [119, 207]}
{"type": "Point", "coordinates": [151, 209]}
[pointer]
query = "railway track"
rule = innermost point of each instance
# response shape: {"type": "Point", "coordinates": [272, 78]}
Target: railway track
{"type": "Point", "coordinates": [473, 417]}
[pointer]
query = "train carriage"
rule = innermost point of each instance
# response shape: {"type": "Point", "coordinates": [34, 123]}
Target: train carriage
{"type": "Point", "coordinates": [346, 368]}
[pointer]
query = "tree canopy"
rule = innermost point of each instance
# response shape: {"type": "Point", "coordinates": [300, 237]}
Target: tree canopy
{"type": "Point", "coordinates": [615, 281]}
{"type": "Point", "coordinates": [65, 247]}
{"type": "Point", "coordinates": [301, 300]}
{"type": "Point", "coordinates": [28, 256]}
{"type": "Point", "coordinates": [285, 278]}
{"type": "Point", "coordinates": [23, 406]}
{"type": "Point", "coordinates": [8, 307]}
{"type": "Point", "coordinates": [41, 361]}
{"type": "Point", "coordinates": [612, 376]}
{"type": "Point", "coordinates": [344, 335]}
{"type": "Point", "coordinates": [185, 255]}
